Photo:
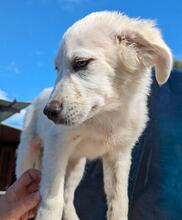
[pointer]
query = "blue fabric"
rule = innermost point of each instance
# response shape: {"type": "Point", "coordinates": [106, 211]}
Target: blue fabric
{"type": "Point", "coordinates": [155, 182]}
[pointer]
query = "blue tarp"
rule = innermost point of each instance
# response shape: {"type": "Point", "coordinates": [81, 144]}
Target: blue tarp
{"type": "Point", "coordinates": [155, 182]}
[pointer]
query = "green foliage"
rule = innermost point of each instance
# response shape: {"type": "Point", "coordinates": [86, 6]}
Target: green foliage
{"type": "Point", "coordinates": [177, 64]}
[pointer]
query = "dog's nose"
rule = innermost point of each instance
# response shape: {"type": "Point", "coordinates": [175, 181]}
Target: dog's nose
{"type": "Point", "coordinates": [53, 110]}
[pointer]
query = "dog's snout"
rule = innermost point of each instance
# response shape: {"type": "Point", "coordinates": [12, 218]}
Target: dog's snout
{"type": "Point", "coordinates": [53, 110]}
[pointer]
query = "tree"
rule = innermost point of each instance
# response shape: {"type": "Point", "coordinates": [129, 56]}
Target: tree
{"type": "Point", "coordinates": [177, 64]}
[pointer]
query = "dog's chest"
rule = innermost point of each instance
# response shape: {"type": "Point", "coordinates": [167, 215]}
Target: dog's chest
{"type": "Point", "coordinates": [90, 149]}
{"type": "Point", "coordinates": [93, 146]}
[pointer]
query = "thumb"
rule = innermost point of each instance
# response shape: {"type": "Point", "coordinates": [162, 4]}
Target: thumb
{"type": "Point", "coordinates": [26, 204]}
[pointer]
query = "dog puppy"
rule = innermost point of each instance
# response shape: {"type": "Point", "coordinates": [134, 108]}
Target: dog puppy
{"type": "Point", "coordinates": [97, 109]}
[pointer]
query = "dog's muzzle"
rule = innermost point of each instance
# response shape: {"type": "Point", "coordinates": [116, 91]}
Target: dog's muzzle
{"type": "Point", "coordinates": [53, 111]}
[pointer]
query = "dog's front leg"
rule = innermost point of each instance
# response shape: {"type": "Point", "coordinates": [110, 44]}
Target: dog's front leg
{"type": "Point", "coordinates": [74, 174]}
{"type": "Point", "coordinates": [116, 168]}
{"type": "Point", "coordinates": [56, 154]}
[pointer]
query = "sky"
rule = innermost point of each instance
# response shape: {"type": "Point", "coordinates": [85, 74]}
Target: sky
{"type": "Point", "coordinates": [30, 32]}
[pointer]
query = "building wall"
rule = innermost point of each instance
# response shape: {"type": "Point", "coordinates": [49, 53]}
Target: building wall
{"type": "Point", "coordinates": [9, 139]}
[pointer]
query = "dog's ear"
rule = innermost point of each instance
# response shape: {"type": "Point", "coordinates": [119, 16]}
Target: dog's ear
{"type": "Point", "coordinates": [149, 51]}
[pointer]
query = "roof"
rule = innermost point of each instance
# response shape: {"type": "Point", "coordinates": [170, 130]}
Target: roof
{"type": "Point", "coordinates": [9, 108]}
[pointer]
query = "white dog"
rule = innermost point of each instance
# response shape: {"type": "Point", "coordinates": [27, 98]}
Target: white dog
{"type": "Point", "coordinates": [98, 109]}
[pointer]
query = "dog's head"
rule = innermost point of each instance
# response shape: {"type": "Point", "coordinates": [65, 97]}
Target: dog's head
{"type": "Point", "coordinates": [102, 58]}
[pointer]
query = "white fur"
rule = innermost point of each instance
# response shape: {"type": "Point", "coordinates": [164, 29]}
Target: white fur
{"type": "Point", "coordinates": [105, 105]}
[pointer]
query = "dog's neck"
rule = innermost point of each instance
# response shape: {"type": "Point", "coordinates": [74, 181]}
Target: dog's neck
{"type": "Point", "coordinates": [106, 122]}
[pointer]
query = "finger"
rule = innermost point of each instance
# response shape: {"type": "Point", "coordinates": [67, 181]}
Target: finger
{"type": "Point", "coordinates": [33, 187]}
{"type": "Point", "coordinates": [27, 204]}
{"type": "Point", "coordinates": [27, 178]}
{"type": "Point", "coordinates": [30, 214]}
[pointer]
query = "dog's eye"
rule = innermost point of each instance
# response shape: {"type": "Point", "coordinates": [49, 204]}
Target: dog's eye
{"type": "Point", "coordinates": [56, 68]}
{"type": "Point", "coordinates": [80, 64]}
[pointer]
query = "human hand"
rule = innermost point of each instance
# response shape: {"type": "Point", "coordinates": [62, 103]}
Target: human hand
{"type": "Point", "coordinates": [22, 198]}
